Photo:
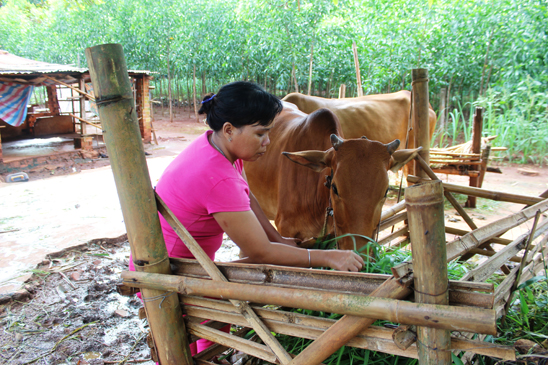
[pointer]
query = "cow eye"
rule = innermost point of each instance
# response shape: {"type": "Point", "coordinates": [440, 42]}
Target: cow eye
{"type": "Point", "coordinates": [335, 189]}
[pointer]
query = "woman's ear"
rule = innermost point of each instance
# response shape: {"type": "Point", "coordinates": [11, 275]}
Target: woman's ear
{"type": "Point", "coordinates": [228, 131]}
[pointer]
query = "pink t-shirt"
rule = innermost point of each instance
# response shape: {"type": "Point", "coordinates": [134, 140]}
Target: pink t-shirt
{"type": "Point", "coordinates": [200, 182]}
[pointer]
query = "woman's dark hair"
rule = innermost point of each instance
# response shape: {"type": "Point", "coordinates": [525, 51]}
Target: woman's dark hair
{"type": "Point", "coordinates": [240, 103]}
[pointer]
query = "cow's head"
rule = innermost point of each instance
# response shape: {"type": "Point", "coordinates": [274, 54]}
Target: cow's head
{"type": "Point", "coordinates": [359, 183]}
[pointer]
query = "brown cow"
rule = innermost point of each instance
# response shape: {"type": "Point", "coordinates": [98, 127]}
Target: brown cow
{"type": "Point", "coordinates": [382, 118]}
{"type": "Point", "coordinates": [296, 198]}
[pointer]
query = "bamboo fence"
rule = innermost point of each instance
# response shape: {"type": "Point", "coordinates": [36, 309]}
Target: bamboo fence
{"type": "Point", "coordinates": [235, 293]}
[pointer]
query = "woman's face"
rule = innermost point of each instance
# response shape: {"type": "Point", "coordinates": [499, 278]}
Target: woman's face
{"type": "Point", "coordinates": [249, 142]}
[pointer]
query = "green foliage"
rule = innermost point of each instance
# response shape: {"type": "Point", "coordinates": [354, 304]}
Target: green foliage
{"type": "Point", "coordinates": [487, 53]}
{"type": "Point", "coordinates": [527, 317]}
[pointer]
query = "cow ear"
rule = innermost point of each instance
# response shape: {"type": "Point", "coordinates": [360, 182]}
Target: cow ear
{"type": "Point", "coordinates": [315, 160]}
{"type": "Point", "coordinates": [401, 158]}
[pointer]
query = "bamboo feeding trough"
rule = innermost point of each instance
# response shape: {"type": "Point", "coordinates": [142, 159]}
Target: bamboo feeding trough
{"type": "Point", "coordinates": [362, 298]}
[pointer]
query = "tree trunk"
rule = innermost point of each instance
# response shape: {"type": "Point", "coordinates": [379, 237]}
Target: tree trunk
{"type": "Point", "coordinates": [295, 78]}
{"type": "Point", "coordinates": [310, 69]}
{"type": "Point", "coordinates": [169, 98]}
{"type": "Point", "coordinates": [188, 95]}
{"type": "Point", "coordinates": [357, 65]}
{"type": "Point", "coordinates": [442, 111]}
{"type": "Point", "coordinates": [194, 93]}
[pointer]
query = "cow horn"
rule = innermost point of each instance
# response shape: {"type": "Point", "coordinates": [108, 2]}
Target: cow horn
{"type": "Point", "coordinates": [336, 141]}
{"type": "Point", "coordinates": [393, 146]}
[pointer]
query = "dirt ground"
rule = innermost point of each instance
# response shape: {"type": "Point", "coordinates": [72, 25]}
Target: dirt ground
{"type": "Point", "coordinates": [70, 313]}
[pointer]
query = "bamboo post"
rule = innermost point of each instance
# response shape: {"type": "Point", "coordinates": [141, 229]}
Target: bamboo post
{"type": "Point", "coordinates": [108, 70]}
{"type": "Point", "coordinates": [476, 148]}
{"type": "Point", "coordinates": [459, 209]}
{"type": "Point", "coordinates": [484, 161]}
{"type": "Point", "coordinates": [421, 125]}
{"type": "Point", "coordinates": [427, 232]}
{"type": "Point", "coordinates": [357, 65]}
{"type": "Point", "coordinates": [342, 91]}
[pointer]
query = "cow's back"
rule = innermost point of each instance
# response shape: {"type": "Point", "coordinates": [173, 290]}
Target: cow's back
{"type": "Point", "coordinates": [382, 117]}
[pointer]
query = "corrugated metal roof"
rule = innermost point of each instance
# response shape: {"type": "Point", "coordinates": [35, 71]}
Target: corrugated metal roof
{"type": "Point", "coordinates": [23, 70]}
{"type": "Point", "coordinates": [14, 65]}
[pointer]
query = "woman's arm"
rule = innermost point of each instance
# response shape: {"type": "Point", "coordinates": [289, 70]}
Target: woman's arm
{"type": "Point", "coordinates": [246, 231]}
{"type": "Point", "coordinates": [271, 232]}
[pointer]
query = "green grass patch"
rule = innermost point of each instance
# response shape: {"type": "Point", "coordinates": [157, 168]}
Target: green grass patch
{"type": "Point", "coordinates": [527, 318]}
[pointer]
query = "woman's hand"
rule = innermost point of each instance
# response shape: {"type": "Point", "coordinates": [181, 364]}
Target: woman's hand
{"type": "Point", "coordinates": [344, 260]}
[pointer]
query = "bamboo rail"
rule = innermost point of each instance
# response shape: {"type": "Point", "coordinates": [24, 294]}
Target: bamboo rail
{"type": "Point", "coordinates": [460, 293]}
{"type": "Point", "coordinates": [85, 121]}
{"type": "Point", "coordinates": [389, 222]}
{"type": "Point", "coordinates": [484, 193]}
{"type": "Point", "coordinates": [400, 232]}
{"type": "Point", "coordinates": [437, 316]}
{"type": "Point", "coordinates": [108, 71]}
{"type": "Point", "coordinates": [346, 328]}
{"type": "Point", "coordinates": [427, 232]}
{"type": "Point", "coordinates": [90, 97]}
{"type": "Point", "coordinates": [204, 260]}
{"type": "Point", "coordinates": [522, 264]}
{"type": "Point", "coordinates": [373, 338]}
{"type": "Point", "coordinates": [393, 210]}
{"type": "Point", "coordinates": [225, 339]}
{"type": "Point", "coordinates": [462, 232]}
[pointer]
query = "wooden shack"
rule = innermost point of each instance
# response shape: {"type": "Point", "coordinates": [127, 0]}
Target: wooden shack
{"type": "Point", "coordinates": [45, 100]}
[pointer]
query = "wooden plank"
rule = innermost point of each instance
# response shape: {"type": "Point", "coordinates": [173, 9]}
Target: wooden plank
{"type": "Point", "coordinates": [463, 244]}
{"type": "Point", "coordinates": [485, 270]}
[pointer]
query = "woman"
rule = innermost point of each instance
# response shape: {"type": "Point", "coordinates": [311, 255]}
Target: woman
{"type": "Point", "coordinates": [206, 188]}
